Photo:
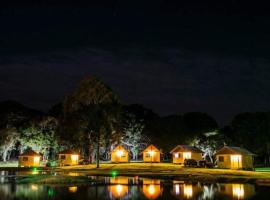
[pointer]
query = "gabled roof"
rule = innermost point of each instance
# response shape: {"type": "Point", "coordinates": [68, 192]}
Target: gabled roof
{"type": "Point", "coordinates": [151, 147]}
{"type": "Point", "coordinates": [30, 153]}
{"type": "Point", "coordinates": [69, 151]}
{"type": "Point", "coordinates": [120, 147]}
{"type": "Point", "coordinates": [233, 150]}
{"type": "Point", "coordinates": [186, 148]}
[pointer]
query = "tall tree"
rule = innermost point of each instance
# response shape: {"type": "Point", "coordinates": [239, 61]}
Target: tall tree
{"type": "Point", "coordinates": [8, 139]}
{"type": "Point", "coordinates": [95, 106]}
{"type": "Point", "coordinates": [133, 137]}
{"type": "Point", "coordinates": [40, 135]}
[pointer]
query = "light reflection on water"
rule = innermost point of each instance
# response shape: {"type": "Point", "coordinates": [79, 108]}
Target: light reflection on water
{"type": "Point", "coordinates": [132, 188]}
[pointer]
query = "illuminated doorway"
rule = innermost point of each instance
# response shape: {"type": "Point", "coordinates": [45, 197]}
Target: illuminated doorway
{"type": "Point", "coordinates": [236, 161]}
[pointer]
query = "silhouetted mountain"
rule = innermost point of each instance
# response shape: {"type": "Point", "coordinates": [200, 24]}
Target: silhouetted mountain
{"type": "Point", "coordinates": [13, 113]}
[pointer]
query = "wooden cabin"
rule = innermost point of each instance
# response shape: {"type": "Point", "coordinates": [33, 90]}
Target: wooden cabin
{"type": "Point", "coordinates": [29, 158]}
{"type": "Point", "coordinates": [151, 154]}
{"type": "Point", "coordinates": [234, 158]}
{"type": "Point", "coordinates": [182, 152]}
{"type": "Point", "coordinates": [68, 157]}
{"type": "Point", "coordinates": [119, 154]}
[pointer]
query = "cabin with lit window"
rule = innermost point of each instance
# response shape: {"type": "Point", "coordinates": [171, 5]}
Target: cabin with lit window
{"type": "Point", "coordinates": [29, 158]}
{"type": "Point", "coordinates": [119, 155]}
{"type": "Point", "coordinates": [68, 157]}
{"type": "Point", "coordinates": [151, 154]}
{"type": "Point", "coordinates": [234, 158]}
{"type": "Point", "coordinates": [182, 152]}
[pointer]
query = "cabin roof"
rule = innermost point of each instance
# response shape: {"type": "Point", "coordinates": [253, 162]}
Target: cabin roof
{"type": "Point", "coordinates": [151, 147]}
{"type": "Point", "coordinates": [184, 148]}
{"type": "Point", "coordinates": [30, 153]}
{"type": "Point", "coordinates": [118, 147]}
{"type": "Point", "coordinates": [69, 151]}
{"type": "Point", "coordinates": [233, 150]}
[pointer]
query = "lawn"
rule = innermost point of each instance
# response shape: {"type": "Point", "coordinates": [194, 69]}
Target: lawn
{"type": "Point", "coordinates": [9, 164]}
{"type": "Point", "coordinates": [171, 170]}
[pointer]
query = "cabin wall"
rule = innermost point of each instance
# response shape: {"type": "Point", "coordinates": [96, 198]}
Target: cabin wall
{"type": "Point", "coordinates": [226, 163]}
{"type": "Point", "coordinates": [117, 158]}
{"type": "Point", "coordinates": [29, 163]}
{"type": "Point", "coordinates": [68, 160]}
{"type": "Point", "coordinates": [196, 156]}
{"type": "Point", "coordinates": [180, 159]}
{"type": "Point", "coordinates": [154, 158]}
{"type": "Point", "coordinates": [247, 161]}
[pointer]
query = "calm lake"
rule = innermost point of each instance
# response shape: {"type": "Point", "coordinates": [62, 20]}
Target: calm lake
{"type": "Point", "coordinates": [121, 187]}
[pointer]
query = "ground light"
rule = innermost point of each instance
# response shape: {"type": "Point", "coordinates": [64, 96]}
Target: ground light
{"type": "Point", "coordinates": [34, 170]}
{"type": "Point", "coordinates": [114, 173]}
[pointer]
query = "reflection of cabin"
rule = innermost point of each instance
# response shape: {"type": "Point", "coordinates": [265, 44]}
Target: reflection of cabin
{"type": "Point", "coordinates": [234, 158]}
{"type": "Point", "coordinates": [119, 154]}
{"type": "Point", "coordinates": [182, 190]}
{"type": "Point", "coordinates": [151, 154]}
{"type": "Point", "coordinates": [236, 190]}
{"type": "Point", "coordinates": [182, 152]}
{"type": "Point", "coordinates": [151, 188]}
{"type": "Point", "coordinates": [118, 187]}
{"type": "Point", "coordinates": [68, 157]}
{"type": "Point", "coordinates": [29, 158]}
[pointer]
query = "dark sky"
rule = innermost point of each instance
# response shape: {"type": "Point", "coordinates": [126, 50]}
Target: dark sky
{"type": "Point", "coordinates": [170, 56]}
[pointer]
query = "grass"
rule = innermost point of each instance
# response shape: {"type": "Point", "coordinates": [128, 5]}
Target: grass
{"type": "Point", "coordinates": [169, 170]}
{"type": "Point", "coordinates": [155, 170]}
{"type": "Point", "coordinates": [9, 164]}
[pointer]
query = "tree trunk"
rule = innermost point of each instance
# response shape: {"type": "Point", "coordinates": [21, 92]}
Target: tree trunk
{"type": "Point", "coordinates": [5, 156]}
{"type": "Point", "coordinates": [90, 154]}
{"type": "Point", "coordinates": [98, 147]}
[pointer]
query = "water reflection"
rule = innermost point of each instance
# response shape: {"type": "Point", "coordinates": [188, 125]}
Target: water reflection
{"type": "Point", "coordinates": [131, 188]}
{"type": "Point", "coordinates": [182, 190]}
{"type": "Point", "coordinates": [151, 188]}
{"type": "Point", "coordinates": [237, 191]}
{"type": "Point", "coordinates": [73, 189]}
{"type": "Point", "coordinates": [119, 187]}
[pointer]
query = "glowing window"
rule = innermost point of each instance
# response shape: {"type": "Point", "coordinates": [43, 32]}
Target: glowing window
{"type": "Point", "coordinates": [187, 155]}
{"type": "Point", "coordinates": [176, 155]}
{"type": "Point", "coordinates": [120, 153]}
{"type": "Point", "coordinates": [74, 157]}
{"type": "Point", "coordinates": [36, 159]}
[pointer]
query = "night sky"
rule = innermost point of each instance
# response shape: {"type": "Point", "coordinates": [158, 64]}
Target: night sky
{"type": "Point", "coordinates": [171, 57]}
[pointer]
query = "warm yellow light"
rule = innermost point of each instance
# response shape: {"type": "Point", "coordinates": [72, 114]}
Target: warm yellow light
{"type": "Point", "coordinates": [151, 189]}
{"type": "Point", "coordinates": [34, 187]}
{"type": "Point", "coordinates": [187, 155]}
{"type": "Point", "coordinates": [36, 159]}
{"type": "Point", "coordinates": [236, 161]}
{"type": "Point", "coordinates": [120, 153]}
{"type": "Point", "coordinates": [177, 189]}
{"type": "Point", "coordinates": [74, 157]}
{"type": "Point", "coordinates": [119, 189]}
{"type": "Point", "coordinates": [73, 189]}
{"type": "Point", "coordinates": [238, 191]}
{"type": "Point", "coordinates": [188, 191]}
{"type": "Point", "coordinates": [151, 153]}
{"type": "Point", "coordinates": [176, 155]}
